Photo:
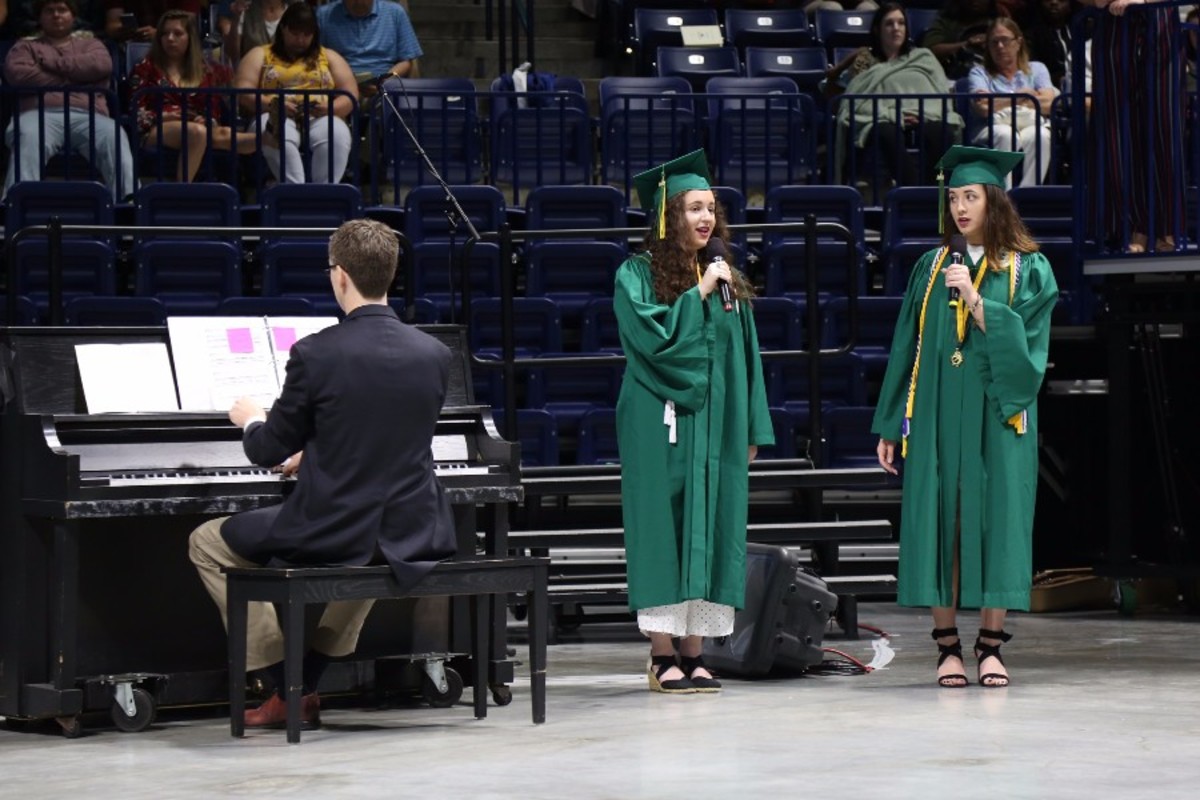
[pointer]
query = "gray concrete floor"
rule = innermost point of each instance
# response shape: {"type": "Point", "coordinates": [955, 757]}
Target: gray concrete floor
{"type": "Point", "coordinates": [1101, 706]}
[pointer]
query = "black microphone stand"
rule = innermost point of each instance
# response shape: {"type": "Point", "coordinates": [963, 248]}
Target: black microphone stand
{"type": "Point", "coordinates": [455, 215]}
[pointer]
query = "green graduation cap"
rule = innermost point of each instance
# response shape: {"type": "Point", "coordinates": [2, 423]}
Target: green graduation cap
{"type": "Point", "coordinates": [659, 184]}
{"type": "Point", "coordinates": [973, 165]}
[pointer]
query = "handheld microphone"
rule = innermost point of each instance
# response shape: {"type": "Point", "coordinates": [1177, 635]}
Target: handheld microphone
{"type": "Point", "coordinates": [716, 251]}
{"type": "Point", "coordinates": [958, 245]}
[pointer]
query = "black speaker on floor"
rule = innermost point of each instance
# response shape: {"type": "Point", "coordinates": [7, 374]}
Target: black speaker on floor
{"type": "Point", "coordinates": [783, 621]}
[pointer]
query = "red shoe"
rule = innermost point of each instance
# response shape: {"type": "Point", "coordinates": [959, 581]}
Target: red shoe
{"type": "Point", "coordinates": [273, 713]}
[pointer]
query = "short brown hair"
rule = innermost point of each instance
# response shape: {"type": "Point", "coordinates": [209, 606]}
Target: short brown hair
{"type": "Point", "coordinates": [367, 250]}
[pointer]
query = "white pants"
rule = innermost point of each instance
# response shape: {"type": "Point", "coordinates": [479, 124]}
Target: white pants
{"type": "Point", "coordinates": [320, 143]}
{"type": "Point", "coordinates": [1027, 142]}
{"type": "Point", "coordinates": [31, 152]}
{"type": "Point", "coordinates": [689, 618]}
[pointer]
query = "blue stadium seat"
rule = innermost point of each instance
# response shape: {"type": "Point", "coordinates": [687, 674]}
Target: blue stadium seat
{"type": "Point", "coordinates": [425, 313]}
{"type": "Point", "coordinates": [843, 382]}
{"type": "Point", "coordinates": [572, 273]}
{"type": "Point", "coordinates": [265, 307]}
{"type": "Point", "coordinates": [73, 202]}
{"type": "Point", "coordinates": [763, 27]}
{"type": "Point", "coordinates": [188, 280]}
{"type": "Point", "coordinates": [536, 325]}
{"type": "Point", "coordinates": [654, 28]}
{"type": "Point", "coordinates": [436, 274]}
{"type": "Point", "coordinates": [804, 65]}
{"type": "Point", "coordinates": [199, 205]}
{"type": "Point", "coordinates": [547, 144]}
{"type": "Point", "coordinates": [298, 268]}
{"type": "Point", "coordinates": [443, 115]}
{"type": "Point", "coordinates": [733, 201]}
{"type": "Point", "coordinates": [877, 318]}
{"type": "Point", "coordinates": [310, 205]}
{"type": "Point", "coordinates": [843, 28]}
{"type": "Point", "coordinates": [27, 313]}
{"type": "Point", "coordinates": [559, 207]}
{"type": "Point", "coordinates": [88, 268]}
{"type": "Point", "coordinates": [919, 20]}
{"type": "Point", "coordinates": [425, 210]}
{"type": "Point", "coordinates": [597, 443]}
{"type": "Point", "coordinates": [115, 311]}
{"type": "Point", "coordinates": [784, 427]}
{"type": "Point", "coordinates": [849, 443]}
{"type": "Point", "coordinates": [785, 256]}
{"type": "Point", "coordinates": [909, 229]}
{"type": "Point", "coordinates": [643, 122]}
{"type": "Point", "coordinates": [698, 64]}
{"type": "Point", "coordinates": [538, 435]}
{"type": "Point", "coordinates": [569, 392]}
{"type": "Point", "coordinates": [780, 323]}
{"type": "Point", "coordinates": [760, 132]}
{"type": "Point", "coordinates": [598, 332]}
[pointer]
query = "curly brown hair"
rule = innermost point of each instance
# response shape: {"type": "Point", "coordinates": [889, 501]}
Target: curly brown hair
{"type": "Point", "coordinates": [1003, 230]}
{"type": "Point", "coordinates": [673, 267]}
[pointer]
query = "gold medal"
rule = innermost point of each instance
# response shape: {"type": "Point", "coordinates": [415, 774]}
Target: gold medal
{"type": "Point", "coordinates": [957, 358]}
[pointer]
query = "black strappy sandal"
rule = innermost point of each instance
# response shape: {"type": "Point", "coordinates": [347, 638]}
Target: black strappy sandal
{"type": "Point", "coordinates": [954, 680]}
{"type": "Point", "coordinates": [991, 680]}
{"type": "Point", "coordinates": [690, 665]}
{"type": "Point", "coordinates": [659, 665]}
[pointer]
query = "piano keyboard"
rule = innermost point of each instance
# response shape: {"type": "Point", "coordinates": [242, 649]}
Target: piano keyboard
{"type": "Point", "coordinates": [238, 475]}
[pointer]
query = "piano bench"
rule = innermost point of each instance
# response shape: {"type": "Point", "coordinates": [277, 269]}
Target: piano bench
{"type": "Point", "coordinates": [292, 588]}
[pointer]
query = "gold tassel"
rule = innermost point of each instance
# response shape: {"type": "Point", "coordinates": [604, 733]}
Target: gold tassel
{"type": "Point", "coordinates": [941, 179]}
{"type": "Point", "coordinates": [662, 206]}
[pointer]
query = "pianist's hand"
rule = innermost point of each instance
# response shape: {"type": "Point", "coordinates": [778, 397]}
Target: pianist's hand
{"type": "Point", "coordinates": [292, 465]}
{"type": "Point", "coordinates": [245, 411]}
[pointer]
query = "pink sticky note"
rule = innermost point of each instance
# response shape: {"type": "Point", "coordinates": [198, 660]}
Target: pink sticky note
{"type": "Point", "coordinates": [240, 340]}
{"type": "Point", "coordinates": [284, 338]}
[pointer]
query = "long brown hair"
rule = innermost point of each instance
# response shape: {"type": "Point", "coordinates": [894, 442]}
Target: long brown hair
{"type": "Point", "coordinates": [1003, 230]}
{"type": "Point", "coordinates": [191, 72]}
{"type": "Point", "coordinates": [674, 267]}
{"type": "Point", "coordinates": [1012, 27]}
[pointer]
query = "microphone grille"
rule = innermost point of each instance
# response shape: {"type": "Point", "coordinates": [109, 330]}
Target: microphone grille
{"type": "Point", "coordinates": [716, 249]}
{"type": "Point", "coordinates": [958, 243]}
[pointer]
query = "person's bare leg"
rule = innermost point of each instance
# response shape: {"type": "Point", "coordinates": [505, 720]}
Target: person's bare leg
{"type": "Point", "coordinates": [172, 136]}
{"type": "Point", "coordinates": [691, 647]}
{"type": "Point", "coordinates": [946, 617]}
{"type": "Point", "coordinates": [992, 619]}
{"type": "Point", "coordinates": [661, 644]}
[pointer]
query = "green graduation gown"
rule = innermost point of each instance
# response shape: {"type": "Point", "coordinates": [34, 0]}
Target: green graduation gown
{"type": "Point", "coordinates": [685, 503]}
{"type": "Point", "coordinates": [961, 447]}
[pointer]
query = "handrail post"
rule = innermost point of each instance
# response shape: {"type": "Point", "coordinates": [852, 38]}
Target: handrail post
{"type": "Point", "coordinates": [812, 312]}
{"type": "Point", "coordinates": [55, 267]}
{"type": "Point", "coordinates": [507, 341]}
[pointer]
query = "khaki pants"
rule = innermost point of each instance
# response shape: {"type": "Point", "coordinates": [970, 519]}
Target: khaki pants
{"type": "Point", "coordinates": [337, 633]}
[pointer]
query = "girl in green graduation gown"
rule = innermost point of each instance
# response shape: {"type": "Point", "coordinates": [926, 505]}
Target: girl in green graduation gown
{"type": "Point", "coordinates": [690, 417]}
{"type": "Point", "coordinates": [959, 405]}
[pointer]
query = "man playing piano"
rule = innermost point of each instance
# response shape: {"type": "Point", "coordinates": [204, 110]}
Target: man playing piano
{"type": "Point", "coordinates": [354, 421]}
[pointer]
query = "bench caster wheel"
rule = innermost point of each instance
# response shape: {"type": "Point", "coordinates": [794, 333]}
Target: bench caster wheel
{"type": "Point", "coordinates": [454, 690]}
{"type": "Point", "coordinates": [501, 694]}
{"type": "Point", "coordinates": [143, 712]}
{"type": "Point", "coordinates": [71, 726]}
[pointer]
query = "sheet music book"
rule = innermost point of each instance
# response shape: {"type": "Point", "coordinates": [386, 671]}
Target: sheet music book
{"type": "Point", "coordinates": [128, 378]}
{"type": "Point", "coordinates": [219, 359]}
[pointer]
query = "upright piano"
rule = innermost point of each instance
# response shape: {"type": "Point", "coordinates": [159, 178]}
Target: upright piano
{"type": "Point", "coordinates": [95, 581]}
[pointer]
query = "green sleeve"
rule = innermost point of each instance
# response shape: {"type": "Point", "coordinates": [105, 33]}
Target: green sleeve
{"type": "Point", "coordinates": [668, 349]}
{"type": "Point", "coordinates": [1018, 338]}
{"type": "Point", "coordinates": [893, 393]}
{"type": "Point", "coordinates": [762, 433]}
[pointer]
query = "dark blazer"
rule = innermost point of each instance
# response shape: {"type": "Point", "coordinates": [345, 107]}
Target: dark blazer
{"type": "Point", "coordinates": [361, 399]}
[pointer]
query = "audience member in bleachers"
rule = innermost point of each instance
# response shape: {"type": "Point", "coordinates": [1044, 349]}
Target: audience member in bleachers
{"type": "Point", "coordinates": [1138, 78]}
{"type": "Point", "coordinates": [247, 24]}
{"type": "Point", "coordinates": [691, 415]}
{"type": "Point", "coordinates": [296, 60]}
{"type": "Point", "coordinates": [375, 37]}
{"type": "Point", "coordinates": [1006, 69]}
{"type": "Point", "coordinates": [958, 34]}
{"type": "Point", "coordinates": [893, 66]}
{"type": "Point", "coordinates": [960, 399]}
{"type": "Point", "coordinates": [176, 61]}
{"type": "Point", "coordinates": [57, 58]}
{"type": "Point", "coordinates": [1048, 36]}
{"type": "Point", "coordinates": [18, 19]}
{"type": "Point", "coordinates": [144, 14]}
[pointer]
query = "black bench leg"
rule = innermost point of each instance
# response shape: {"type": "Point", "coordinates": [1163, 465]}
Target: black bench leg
{"type": "Point", "coordinates": [848, 615]}
{"type": "Point", "coordinates": [235, 601]}
{"type": "Point", "coordinates": [480, 617]}
{"type": "Point", "coordinates": [538, 622]}
{"type": "Point", "coordinates": [293, 658]}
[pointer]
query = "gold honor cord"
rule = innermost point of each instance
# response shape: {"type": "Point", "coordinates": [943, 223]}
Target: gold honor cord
{"type": "Point", "coordinates": [962, 313]}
